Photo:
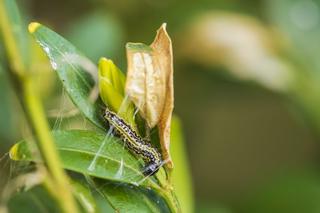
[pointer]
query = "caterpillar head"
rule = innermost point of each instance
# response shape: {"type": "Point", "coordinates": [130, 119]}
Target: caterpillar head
{"type": "Point", "coordinates": [151, 169]}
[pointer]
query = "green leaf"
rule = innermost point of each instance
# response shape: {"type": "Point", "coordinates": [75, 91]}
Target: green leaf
{"type": "Point", "coordinates": [35, 200]}
{"type": "Point", "coordinates": [129, 198]}
{"type": "Point", "coordinates": [111, 85]}
{"type": "Point", "coordinates": [108, 70]}
{"type": "Point", "coordinates": [181, 174]}
{"type": "Point", "coordinates": [73, 69]}
{"type": "Point", "coordinates": [78, 149]}
{"type": "Point", "coordinates": [103, 205]}
{"type": "Point", "coordinates": [83, 194]}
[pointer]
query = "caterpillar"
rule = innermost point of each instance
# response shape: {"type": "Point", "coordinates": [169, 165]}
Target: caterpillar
{"type": "Point", "coordinates": [135, 143]}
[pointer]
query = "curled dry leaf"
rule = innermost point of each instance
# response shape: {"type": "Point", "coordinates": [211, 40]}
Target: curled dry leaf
{"type": "Point", "coordinates": [150, 84]}
{"type": "Point", "coordinates": [145, 82]}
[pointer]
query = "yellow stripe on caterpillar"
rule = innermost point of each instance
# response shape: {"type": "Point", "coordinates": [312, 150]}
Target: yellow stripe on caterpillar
{"type": "Point", "coordinates": [135, 143]}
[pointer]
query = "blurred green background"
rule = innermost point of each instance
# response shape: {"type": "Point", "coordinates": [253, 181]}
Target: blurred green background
{"type": "Point", "coordinates": [247, 89]}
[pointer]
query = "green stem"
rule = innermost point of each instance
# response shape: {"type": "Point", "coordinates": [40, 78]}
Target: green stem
{"type": "Point", "coordinates": [35, 113]}
{"type": "Point", "coordinates": [168, 196]}
{"type": "Point", "coordinates": [47, 147]}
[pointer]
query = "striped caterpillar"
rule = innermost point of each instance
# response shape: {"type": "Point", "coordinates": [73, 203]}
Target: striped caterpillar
{"type": "Point", "coordinates": [135, 143]}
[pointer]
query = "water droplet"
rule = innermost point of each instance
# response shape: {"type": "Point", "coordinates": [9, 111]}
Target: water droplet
{"type": "Point", "coordinates": [54, 65]}
{"type": "Point", "coordinates": [46, 49]}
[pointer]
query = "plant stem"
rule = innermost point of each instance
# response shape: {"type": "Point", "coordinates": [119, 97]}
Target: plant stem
{"type": "Point", "coordinates": [34, 110]}
{"type": "Point", "coordinates": [47, 147]}
{"type": "Point", "coordinates": [168, 196]}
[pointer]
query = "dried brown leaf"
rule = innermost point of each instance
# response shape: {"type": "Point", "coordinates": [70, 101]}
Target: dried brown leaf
{"type": "Point", "coordinates": [150, 84]}
{"type": "Point", "coordinates": [163, 47]}
{"type": "Point", "coordinates": [145, 83]}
